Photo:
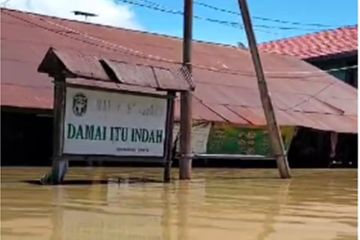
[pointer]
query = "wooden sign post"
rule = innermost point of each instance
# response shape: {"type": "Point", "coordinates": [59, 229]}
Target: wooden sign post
{"type": "Point", "coordinates": [59, 164]}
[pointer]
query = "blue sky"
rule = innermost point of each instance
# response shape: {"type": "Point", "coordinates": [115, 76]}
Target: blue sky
{"type": "Point", "coordinates": [329, 12]}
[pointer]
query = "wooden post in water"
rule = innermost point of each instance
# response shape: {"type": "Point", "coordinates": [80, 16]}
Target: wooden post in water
{"type": "Point", "coordinates": [169, 139]}
{"type": "Point", "coordinates": [273, 128]}
{"type": "Point", "coordinates": [185, 160]}
{"type": "Point", "coordinates": [59, 165]}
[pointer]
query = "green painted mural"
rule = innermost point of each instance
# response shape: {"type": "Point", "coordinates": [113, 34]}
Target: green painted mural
{"type": "Point", "coordinates": [228, 139]}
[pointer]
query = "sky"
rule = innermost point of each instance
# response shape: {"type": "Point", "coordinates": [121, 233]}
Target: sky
{"type": "Point", "coordinates": [123, 13]}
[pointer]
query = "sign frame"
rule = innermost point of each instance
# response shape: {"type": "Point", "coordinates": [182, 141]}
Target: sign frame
{"type": "Point", "coordinates": [109, 157]}
{"type": "Point", "coordinates": [61, 159]}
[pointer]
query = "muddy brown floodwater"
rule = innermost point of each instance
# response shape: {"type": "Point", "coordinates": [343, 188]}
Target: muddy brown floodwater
{"type": "Point", "coordinates": [218, 204]}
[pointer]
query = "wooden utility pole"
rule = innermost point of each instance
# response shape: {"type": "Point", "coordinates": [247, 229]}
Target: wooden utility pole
{"type": "Point", "coordinates": [185, 161]}
{"type": "Point", "coordinates": [274, 131]}
{"type": "Point", "coordinates": [169, 139]}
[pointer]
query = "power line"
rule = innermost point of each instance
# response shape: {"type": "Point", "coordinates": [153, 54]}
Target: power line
{"type": "Point", "coordinates": [262, 18]}
{"type": "Point", "coordinates": [137, 53]}
{"type": "Point", "coordinates": [157, 7]}
{"type": "Point", "coordinates": [161, 8]}
{"type": "Point", "coordinates": [157, 58]}
{"type": "Point", "coordinates": [154, 57]}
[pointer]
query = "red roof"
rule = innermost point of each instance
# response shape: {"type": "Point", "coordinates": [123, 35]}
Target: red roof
{"type": "Point", "coordinates": [226, 86]}
{"type": "Point", "coordinates": [340, 41]}
{"type": "Point", "coordinates": [115, 73]}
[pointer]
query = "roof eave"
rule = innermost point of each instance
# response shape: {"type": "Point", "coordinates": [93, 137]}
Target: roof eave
{"type": "Point", "coordinates": [347, 54]}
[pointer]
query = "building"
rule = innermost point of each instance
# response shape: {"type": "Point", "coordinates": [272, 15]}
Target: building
{"type": "Point", "coordinates": [332, 49]}
{"type": "Point", "coordinates": [335, 51]}
{"type": "Point", "coordinates": [226, 104]}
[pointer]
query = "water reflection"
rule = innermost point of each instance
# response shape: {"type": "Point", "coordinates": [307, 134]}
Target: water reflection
{"type": "Point", "coordinates": [218, 204]}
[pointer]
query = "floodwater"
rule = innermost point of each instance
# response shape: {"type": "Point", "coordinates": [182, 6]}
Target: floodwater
{"type": "Point", "coordinates": [218, 204]}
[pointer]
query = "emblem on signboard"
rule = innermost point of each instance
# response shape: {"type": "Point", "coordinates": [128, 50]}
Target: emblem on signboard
{"type": "Point", "coordinates": [79, 104]}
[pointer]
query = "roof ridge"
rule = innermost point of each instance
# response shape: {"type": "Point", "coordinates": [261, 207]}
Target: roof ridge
{"type": "Point", "coordinates": [119, 28]}
{"type": "Point", "coordinates": [310, 34]}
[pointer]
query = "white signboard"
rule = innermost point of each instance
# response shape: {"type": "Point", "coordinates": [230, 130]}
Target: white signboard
{"type": "Point", "coordinates": [118, 124]}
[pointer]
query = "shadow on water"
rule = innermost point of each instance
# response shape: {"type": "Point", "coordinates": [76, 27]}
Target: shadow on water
{"type": "Point", "coordinates": [120, 180]}
{"type": "Point", "coordinates": [100, 181]}
{"type": "Point", "coordinates": [247, 177]}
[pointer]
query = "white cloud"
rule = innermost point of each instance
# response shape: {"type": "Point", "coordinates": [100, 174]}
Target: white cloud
{"type": "Point", "coordinates": [109, 12]}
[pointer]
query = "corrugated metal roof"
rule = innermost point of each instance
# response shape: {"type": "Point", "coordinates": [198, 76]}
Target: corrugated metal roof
{"type": "Point", "coordinates": [326, 43]}
{"type": "Point", "coordinates": [226, 87]}
{"type": "Point", "coordinates": [26, 96]}
{"type": "Point", "coordinates": [78, 65]}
